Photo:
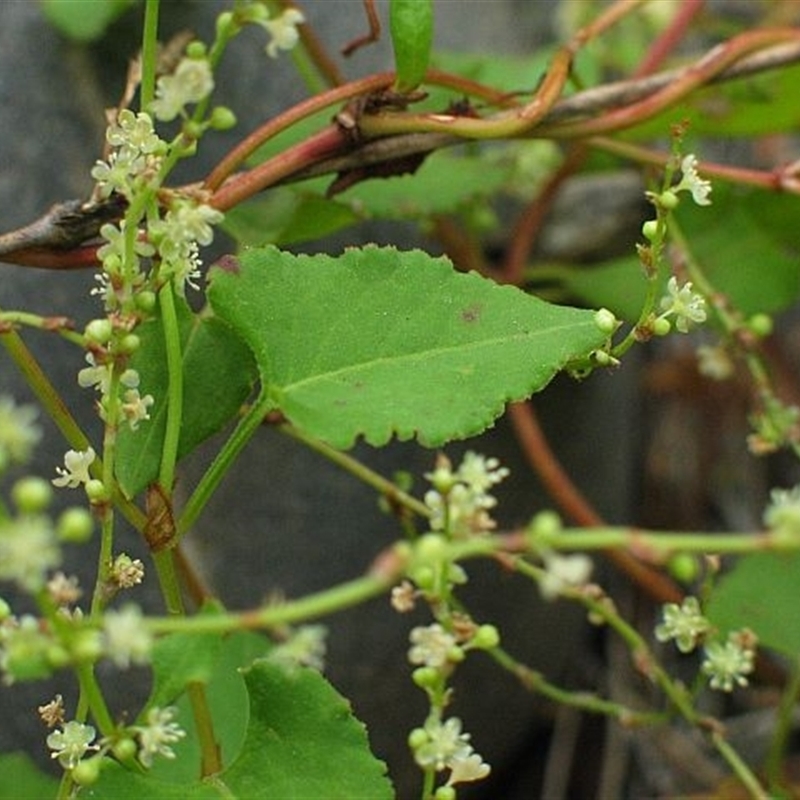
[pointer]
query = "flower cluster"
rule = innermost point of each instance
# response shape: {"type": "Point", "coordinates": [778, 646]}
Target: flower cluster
{"type": "Point", "coordinates": [782, 515]}
{"type": "Point", "coordinates": [191, 82]}
{"type": "Point", "coordinates": [460, 500]}
{"type": "Point", "coordinates": [304, 646]}
{"type": "Point", "coordinates": [18, 433]}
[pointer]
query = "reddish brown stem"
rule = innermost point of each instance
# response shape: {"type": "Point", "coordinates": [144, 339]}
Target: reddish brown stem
{"type": "Point", "coordinates": [666, 42]}
{"type": "Point", "coordinates": [371, 36]}
{"type": "Point", "coordinates": [326, 143]}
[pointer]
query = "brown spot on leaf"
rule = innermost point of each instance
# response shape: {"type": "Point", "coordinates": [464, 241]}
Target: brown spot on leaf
{"type": "Point", "coordinates": [472, 313]}
{"type": "Point", "coordinates": [229, 263]}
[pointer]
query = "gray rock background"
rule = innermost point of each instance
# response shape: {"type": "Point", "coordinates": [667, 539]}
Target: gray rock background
{"type": "Point", "coordinates": [285, 520]}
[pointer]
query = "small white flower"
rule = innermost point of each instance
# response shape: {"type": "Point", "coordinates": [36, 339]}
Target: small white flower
{"type": "Point", "coordinates": [191, 82]}
{"type": "Point", "coordinates": [77, 465]}
{"type": "Point", "coordinates": [469, 769]}
{"type": "Point", "coordinates": [783, 513]}
{"type": "Point", "coordinates": [126, 638]}
{"type": "Point", "coordinates": [686, 305]}
{"type": "Point", "coordinates": [97, 375]}
{"type": "Point", "coordinates": [481, 473]}
{"type": "Point", "coordinates": [52, 713]}
{"type": "Point", "coordinates": [562, 572]}
{"type": "Point", "coordinates": [684, 623]}
{"type": "Point", "coordinates": [283, 31]}
{"type": "Point", "coordinates": [728, 664]}
{"type": "Point", "coordinates": [305, 646]}
{"type": "Point", "coordinates": [134, 133]}
{"type": "Point", "coordinates": [403, 597]}
{"type": "Point", "coordinates": [693, 183]}
{"type": "Point", "coordinates": [135, 408]}
{"type": "Point", "coordinates": [158, 734]}
{"type": "Point", "coordinates": [18, 434]}
{"type": "Point", "coordinates": [714, 362]}
{"type": "Point", "coordinates": [28, 550]}
{"type": "Point", "coordinates": [63, 590]}
{"type": "Point", "coordinates": [71, 743]}
{"type": "Point", "coordinates": [432, 645]}
{"type": "Point", "coordinates": [445, 745]}
{"type": "Point", "coordinates": [126, 572]}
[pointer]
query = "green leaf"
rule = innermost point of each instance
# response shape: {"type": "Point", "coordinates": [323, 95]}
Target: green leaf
{"type": "Point", "coordinates": [380, 342]}
{"type": "Point", "coordinates": [218, 375]}
{"type": "Point", "coordinates": [303, 742]}
{"type": "Point", "coordinates": [411, 24]}
{"type": "Point", "coordinates": [443, 184]}
{"type": "Point", "coordinates": [84, 20]}
{"type": "Point", "coordinates": [760, 593]}
{"type": "Point", "coordinates": [287, 216]}
{"type": "Point", "coordinates": [20, 779]}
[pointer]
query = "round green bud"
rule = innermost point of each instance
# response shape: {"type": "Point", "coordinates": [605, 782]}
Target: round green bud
{"type": "Point", "coordinates": [431, 548]}
{"type": "Point", "coordinates": [426, 677]}
{"type": "Point", "coordinates": [605, 320]}
{"type": "Point", "coordinates": [146, 300]}
{"type": "Point", "coordinates": [227, 25]}
{"type": "Point", "coordinates": [5, 610]}
{"type": "Point", "coordinates": [32, 495]}
{"type": "Point", "coordinates": [86, 772]}
{"type": "Point", "coordinates": [603, 359]}
{"type": "Point", "coordinates": [456, 654]}
{"type": "Point", "coordinates": [546, 524]}
{"type": "Point", "coordinates": [661, 326]}
{"type": "Point", "coordinates": [129, 343]}
{"type": "Point", "coordinates": [668, 200]}
{"type": "Point", "coordinates": [57, 656]}
{"type": "Point", "coordinates": [424, 577]}
{"type": "Point", "coordinates": [99, 330]}
{"type": "Point", "coordinates": [125, 749]}
{"type": "Point", "coordinates": [96, 491]}
{"type": "Point", "coordinates": [196, 49]}
{"type": "Point", "coordinates": [650, 229]}
{"type": "Point", "coordinates": [760, 324]}
{"type": "Point", "coordinates": [417, 738]}
{"type": "Point", "coordinates": [87, 646]}
{"type": "Point", "coordinates": [445, 793]}
{"type": "Point", "coordinates": [75, 525]}
{"type": "Point", "coordinates": [222, 119]}
{"type": "Point", "coordinates": [486, 637]}
{"type": "Point", "coordinates": [684, 567]}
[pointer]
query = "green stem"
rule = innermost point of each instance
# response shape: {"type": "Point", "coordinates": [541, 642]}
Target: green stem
{"type": "Point", "coordinates": [149, 52]}
{"type": "Point", "coordinates": [740, 769]}
{"type": "Point", "coordinates": [210, 759]}
{"type": "Point", "coordinates": [312, 606]}
{"type": "Point", "coordinates": [773, 766]}
{"type": "Point", "coordinates": [172, 341]}
{"type": "Point", "coordinates": [92, 700]}
{"type": "Point", "coordinates": [352, 465]}
{"type": "Point", "coordinates": [222, 463]}
{"type": "Point", "coordinates": [164, 561]}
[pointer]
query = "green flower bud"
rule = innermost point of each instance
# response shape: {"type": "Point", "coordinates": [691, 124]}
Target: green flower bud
{"type": "Point", "coordinates": [226, 25]}
{"type": "Point", "coordinates": [125, 749]}
{"type": "Point", "coordinates": [431, 548]}
{"type": "Point", "coordinates": [99, 331]}
{"type": "Point", "coordinates": [486, 638]}
{"type": "Point", "coordinates": [426, 677]}
{"type": "Point", "coordinates": [129, 343]}
{"type": "Point", "coordinates": [445, 793]}
{"type": "Point", "coordinates": [661, 326]}
{"type": "Point", "coordinates": [5, 610]}
{"type": "Point", "coordinates": [87, 646]}
{"type": "Point", "coordinates": [57, 656]}
{"type": "Point", "coordinates": [760, 324]}
{"type": "Point", "coordinates": [32, 495]}
{"type": "Point", "coordinates": [424, 577]}
{"type": "Point", "coordinates": [96, 491]}
{"type": "Point", "coordinates": [75, 525]}
{"type": "Point", "coordinates": [196, 49]}
{"type": "Point", "coordinates": [417, 738]}
{"type": "Point", "coordinates": [650, 229]}
{"type": "Point", "coordinates": [668, 200]}
{"type": "Point", "coordinates": [86, 772]}
{"type": "Point", "coordinates": [146, 300]}
{"type": "Point", "coordinates": [222, 119]}
{"type": "Point", "coordinates": [684, 567]}
{"type": "Point", "coordinates": [546, 524]}
{"type": "Point", "coordinates": [605, 320]}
